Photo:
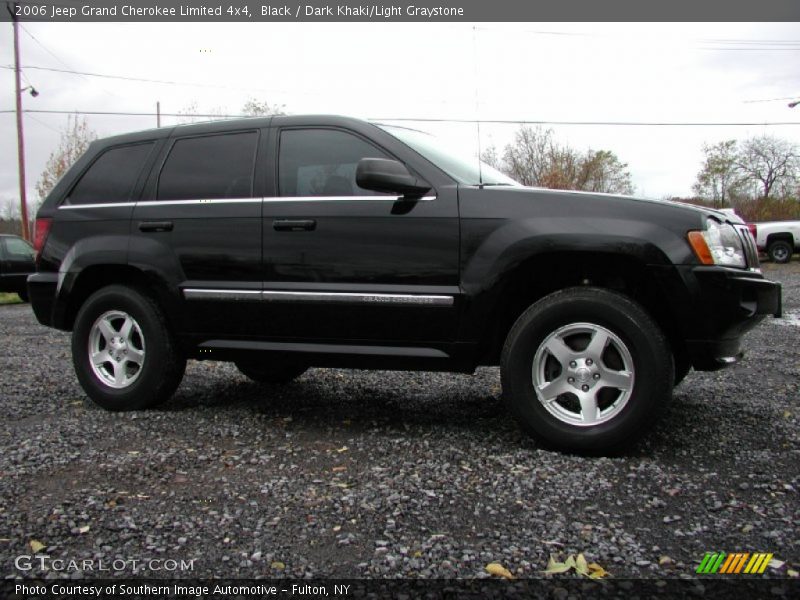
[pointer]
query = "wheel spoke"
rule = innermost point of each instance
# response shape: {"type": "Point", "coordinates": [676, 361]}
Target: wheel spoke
{"type": "Point", "coordinates": [559, 350]}
{"type": "Point", "coordinates": [119, 372]}
{"type": "Point", "coordinates": [620, 380]}
{"type": "Point", "coordinates": [126, 329]}
{"type": "Point", "coordinates": [106, 329]}
{"type": "Point", "coordinates": [553, 389]}
{"type": "Point", "coordinates": [99, 358]}
{"type": "Point", "coordinates": [589, 408]}
{"type": "Point", "coordinates": [135, 356]}
{"type": "Point", "coordinates": [597, 346]}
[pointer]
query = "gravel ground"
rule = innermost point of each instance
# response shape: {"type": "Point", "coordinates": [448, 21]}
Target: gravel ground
{"type": "Point", "coordinates": [381, 474]}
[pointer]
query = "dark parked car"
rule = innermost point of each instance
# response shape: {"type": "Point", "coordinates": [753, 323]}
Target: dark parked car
{"type": "Point", "coordinates": [289, 242]}
{"type": "Point", "coordinates": [17, 261]}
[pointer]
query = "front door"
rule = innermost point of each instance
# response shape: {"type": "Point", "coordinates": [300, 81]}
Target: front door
{"type": "Point", "coordinates": [342, 263]}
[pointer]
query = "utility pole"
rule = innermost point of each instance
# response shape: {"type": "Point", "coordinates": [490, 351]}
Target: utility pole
{"type": "Point", "coordinates": [158, 114]}
{"type": "Point", "coordinates": [23, 202]}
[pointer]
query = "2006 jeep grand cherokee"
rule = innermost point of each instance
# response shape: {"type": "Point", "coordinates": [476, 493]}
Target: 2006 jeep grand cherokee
{"type": "Point", "coordinates": [288, 242]}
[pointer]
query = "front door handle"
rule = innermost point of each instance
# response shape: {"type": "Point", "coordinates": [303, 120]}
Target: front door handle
{"type": "Point", "coordinates": [149, 226]}
{"type": "Point", "coordinates": [294, 224]}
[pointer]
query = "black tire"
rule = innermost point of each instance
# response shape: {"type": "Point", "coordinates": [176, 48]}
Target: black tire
{"type": "Point", "coordinates": [162, 366]}
{"type": "Point", "coordinates": [23, 295]}
{"type": "Point", "coordinates": [633, 339]}
{"type": "Point", "coordinates": [271, 371]}
{"type": "Point", "coordinates": [780, 251]}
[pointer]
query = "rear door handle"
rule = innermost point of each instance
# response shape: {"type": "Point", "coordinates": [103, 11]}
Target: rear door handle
{"type": "Point", "coordinates": [152, 226]}
{"type": "Point", "coordinates": [294, 224]}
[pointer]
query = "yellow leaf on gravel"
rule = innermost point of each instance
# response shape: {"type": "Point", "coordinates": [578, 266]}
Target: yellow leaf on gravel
{"type": "Point", "coordinates": [83, 529]}
{"type": "Point", "coordinates": [278, 565]}
{"type": "Point", "coordinates": [36, 546]}
{"type": "Point", "coordinates": [553, 566]}
{"type": "Point", "coordinates": [597, 572]}
{"type": "Point", "coordinates": [581, 566]}
{"type": "Point", "coordinates": [792, 573]}
{"type": "Point", "coordinates": [498, 570]}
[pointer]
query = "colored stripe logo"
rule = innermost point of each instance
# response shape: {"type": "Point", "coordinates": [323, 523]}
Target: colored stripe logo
{"type": "Point", "coordinates": [733, 564]}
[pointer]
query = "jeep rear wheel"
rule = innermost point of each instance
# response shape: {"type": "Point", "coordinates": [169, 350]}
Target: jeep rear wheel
{"type": "Point", "coordinates": [123, 352]}
{"type": "Point", "coordinates": [587, 370]}
{"type": "Point", "coordinates": [271, 371]}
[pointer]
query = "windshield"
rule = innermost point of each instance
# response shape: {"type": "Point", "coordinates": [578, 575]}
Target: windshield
{"type": "Point", "coordinates": [458, 165]}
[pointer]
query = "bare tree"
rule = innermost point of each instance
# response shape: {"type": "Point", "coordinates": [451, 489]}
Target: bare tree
{"type": "Point", "coordinates": [720, 176]}
{"type": "Point", "coordinates": [773, 163]}
{"type": "Point", "coordinates": [262, 108]}
{"type": "Point", "coordinates": [535, 158]}
{"type": "Point", "coordinates": [75, 139]}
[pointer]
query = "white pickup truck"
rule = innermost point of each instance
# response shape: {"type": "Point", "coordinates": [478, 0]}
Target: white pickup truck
{"type": "Point", "coordinates": [779, 239]}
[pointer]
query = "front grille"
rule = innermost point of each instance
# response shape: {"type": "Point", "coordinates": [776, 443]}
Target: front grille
{"type": "Point", "coordinates": [750, 250]}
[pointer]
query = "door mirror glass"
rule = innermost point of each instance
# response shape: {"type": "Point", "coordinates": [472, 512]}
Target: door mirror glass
{"type": "Point", "coordinates": [391, 176]}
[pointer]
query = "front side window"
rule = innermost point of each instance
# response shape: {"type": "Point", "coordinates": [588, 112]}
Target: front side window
{"type": "Point", "coordinates": [214, 166]}
{"type": "Point", "coordinates": [112, 176]}
{"type": "Point", "coordinates": [17, 248]}
{"type": "Point", "coordinates": [322, 162]}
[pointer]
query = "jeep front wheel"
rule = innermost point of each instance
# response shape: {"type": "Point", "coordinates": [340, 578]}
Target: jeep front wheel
{"type": "Point", "coordinates": [587, 370]}
{"type": "Point", "coordinates": [123, 352]}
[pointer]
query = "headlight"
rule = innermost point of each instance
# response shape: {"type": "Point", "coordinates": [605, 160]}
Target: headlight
{"type": "Point", "coordinates": [719, 244]}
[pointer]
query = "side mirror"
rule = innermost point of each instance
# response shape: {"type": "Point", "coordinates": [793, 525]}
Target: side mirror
{"type": "Point", "coordinates": [391, 176]}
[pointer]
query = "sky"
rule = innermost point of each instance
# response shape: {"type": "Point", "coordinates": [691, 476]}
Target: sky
{"type": "Point", "coordinates": [659, 72]}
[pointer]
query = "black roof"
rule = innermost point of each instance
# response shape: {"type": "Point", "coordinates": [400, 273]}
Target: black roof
{"type": "Point", "coordinates": [233, 125]}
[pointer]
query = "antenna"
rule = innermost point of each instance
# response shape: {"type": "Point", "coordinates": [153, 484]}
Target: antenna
{"type": "Point", "coordinates": [477, 103]}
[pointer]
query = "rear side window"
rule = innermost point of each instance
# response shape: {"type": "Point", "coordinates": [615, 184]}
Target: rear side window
{"type": "Point", "coordinates": [112, 176]}
{"type": "Point", "coordinates": [217, 166]}
{"type": "Point", "coordinates": [322, 162]}
{"type": "Point", "coordinates": [15, 247]}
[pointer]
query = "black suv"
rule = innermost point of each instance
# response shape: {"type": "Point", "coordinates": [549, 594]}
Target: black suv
{"type": "Point", "coordinates": [288, 242]}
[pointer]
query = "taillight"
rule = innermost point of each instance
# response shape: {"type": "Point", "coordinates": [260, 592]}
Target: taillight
{"type": "Point", "coordinates": [40, 236]}
{"type": "Point", "coordinates": [753, 229]}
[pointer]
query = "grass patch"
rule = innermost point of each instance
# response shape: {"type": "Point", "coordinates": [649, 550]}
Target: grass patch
{"type": "Point", "coordinates": [6, 298]}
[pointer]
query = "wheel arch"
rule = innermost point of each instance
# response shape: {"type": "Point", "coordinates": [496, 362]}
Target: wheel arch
{"type": "Point", "coordinates": [656, 287]}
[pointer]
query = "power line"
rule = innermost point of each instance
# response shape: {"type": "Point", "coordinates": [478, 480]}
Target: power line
{"type": "Point", "coordinates": [431, 120]}
{"type": "Point", "coordinates": [614, 123]}
{"type": "Point", "coordinates": [54, 55]}
{"type": "Point", "coordinates": [771, 99]}
{"type": "Point", "coordinates": [156, 81]}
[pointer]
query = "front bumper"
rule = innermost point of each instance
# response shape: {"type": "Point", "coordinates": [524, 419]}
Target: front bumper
{"type": "Point", "coordinates": [728, 303]}
{"type": "Point", "coordinates": [42, 291]}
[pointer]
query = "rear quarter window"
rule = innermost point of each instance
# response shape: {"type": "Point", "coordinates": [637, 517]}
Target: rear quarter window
{"type": "Point", "coordinates": [112, 176]}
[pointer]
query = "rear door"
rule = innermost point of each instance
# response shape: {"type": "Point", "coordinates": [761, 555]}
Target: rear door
{"type": "Point", "coordinates": [345, 263]}
{"type": "Point", "coordinates": [200, 226]}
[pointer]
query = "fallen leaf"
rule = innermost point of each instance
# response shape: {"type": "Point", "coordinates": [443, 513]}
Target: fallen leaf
{"type": "Point", "coordinates": [665, 560]}
{"type": "Point", "coordinates": [597, 572]}
{"type": "Point", "coordinates": [776, 564]}
{"type": "Point", "coordinates": [747, 528]}
{"type": "Point", "coordinates": [553, 567]}
{"type": "Point", "coordinates": [581, 566]}
{"type": "Point", "coordinates": [278, 565]}
{"type": "Point", "coordinates": [337, 527]}
{"type": "Point", "coordinates": [792, 573]}
{"type": "Point", "coordinates": [339, 469]}
{"type": "Point", "coordinates": [37, 546]}
{"type": "Point", "coordinates": [498, 570]}
{"type": "Point", "coordinates": [786, 414]}
{"type": "Point", "coordinates": [342, 449]}
{"type": "Point", "coordinates": [83, 529]}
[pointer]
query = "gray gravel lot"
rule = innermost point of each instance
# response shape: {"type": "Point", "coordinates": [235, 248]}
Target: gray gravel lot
{"type": "Point", "coordinates": [382, 474]}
